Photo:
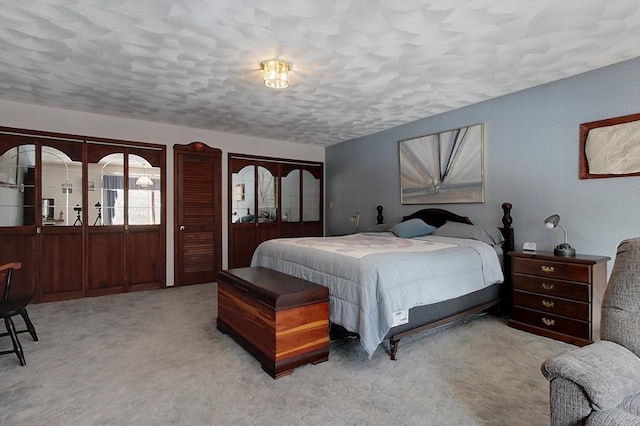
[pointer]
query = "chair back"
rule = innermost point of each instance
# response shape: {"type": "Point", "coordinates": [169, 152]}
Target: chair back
{"type": "Point", "coordinates": [621, 303]}
{"type": "Point", "coordinates": [5, 277]}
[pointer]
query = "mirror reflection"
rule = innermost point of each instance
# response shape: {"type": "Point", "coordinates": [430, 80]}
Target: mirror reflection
{"type": "Point", "coordinates": [144, 192]}
{"type": "Point", "coordinates": [18, 186]}
{"type": "Point", "coordinates": [291, 196]}
{"type": "Point", "coordinates": [243, 195]}
{"type": "Point", "coordinates": [105, 187]}
{"type": "Point", "coordinates": [310, 197]}
{"type": "Point", "coordinates": [61, 188]}
{"type": "Point", "coordinates": [267, 196]}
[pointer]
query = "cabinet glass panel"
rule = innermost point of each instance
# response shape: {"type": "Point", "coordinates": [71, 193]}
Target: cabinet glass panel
{"type": "Point", "coordinates": [18, 186]}
{"type": "Point", "coordinates": [267, 196]}
{"type": "Point", "coordinates": [106, 190]}
{"type": "Point", "coordinates": [144, 192]}
{"type": "Point", "coordinates": [291, 196]}
{"type": "Point", "coordinates": [243, 184]}
{"type": "Point", "coordinates": [61, 188]}
{"type": "Point", "coordinates": [310, 197]}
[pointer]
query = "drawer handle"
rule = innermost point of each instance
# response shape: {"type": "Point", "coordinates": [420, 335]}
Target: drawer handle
{"type": "Point", "coordinates": [548, 322]}
{"type": "Point", "coordinates": [548, 303]}
{"type": "Point", "coordinates": [547, 269]}
{"type": "Point", "coordinates": [547, 286]}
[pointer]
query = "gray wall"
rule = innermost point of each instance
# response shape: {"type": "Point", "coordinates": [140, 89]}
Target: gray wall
{"type": "Point", "coordinates": [531, 160]}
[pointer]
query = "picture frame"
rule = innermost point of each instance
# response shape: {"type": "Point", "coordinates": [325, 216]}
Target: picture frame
{"type": "Point", "coordinates": [238, 192]}
{"type": "Point", "coordinates": [443, 168]}
{"type": "Point", "coordinates": [67, 188]}
{"type": "Point", "coordinates": [610, 148]}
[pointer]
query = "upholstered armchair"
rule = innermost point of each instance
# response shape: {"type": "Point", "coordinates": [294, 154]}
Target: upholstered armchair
{"type": "Point", "coordinates": [599, 384]}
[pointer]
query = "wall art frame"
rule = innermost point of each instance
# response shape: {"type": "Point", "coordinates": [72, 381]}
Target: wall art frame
{"type": "Point", "coordinates": [610, 148]}
{"type": "Point", "coordinates": [443, 168]}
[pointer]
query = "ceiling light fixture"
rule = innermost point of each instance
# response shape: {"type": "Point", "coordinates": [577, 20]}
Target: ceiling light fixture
{"type": "Point", "coordinates": [144, 181]}
{"type": "Point", "coordinates": [276, 74]}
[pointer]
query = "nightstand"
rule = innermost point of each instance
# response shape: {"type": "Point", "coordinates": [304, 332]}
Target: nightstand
{"type": "Point", "coordinates": [558, 297]}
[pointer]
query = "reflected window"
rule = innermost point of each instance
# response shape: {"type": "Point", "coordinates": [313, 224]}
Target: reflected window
{"type": "Point", "coordinates": [144, 192]}
{"type": "Point", "coordinates": [61, 188]}
{"type": "Point", "coordinates": [18, 186]}
{"type": "Point", "coordinates": [106, 190]}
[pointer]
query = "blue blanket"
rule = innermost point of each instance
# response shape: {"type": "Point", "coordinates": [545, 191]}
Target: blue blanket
{"type": "Point", "coordinates": [372, 275]}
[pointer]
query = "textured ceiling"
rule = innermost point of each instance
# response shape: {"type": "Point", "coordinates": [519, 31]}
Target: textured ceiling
{"type": "Point", "coordinates": [359, 66]}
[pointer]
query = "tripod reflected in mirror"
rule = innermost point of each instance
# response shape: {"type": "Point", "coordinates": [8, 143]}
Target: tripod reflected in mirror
{"type": "Point", "coordinates": [78, 210]}
{"type": "Point", "coordinates": [98, 220]}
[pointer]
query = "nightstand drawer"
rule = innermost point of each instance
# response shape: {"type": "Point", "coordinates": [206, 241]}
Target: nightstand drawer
{"type": "Point", "coordinates": [553, 305]}
{"type": "Point", "coordinates": [552, 287]}
{"type": "Point", "coordinates": [553, 269]}
{"type": "Point", "coordinates": [558, 324]}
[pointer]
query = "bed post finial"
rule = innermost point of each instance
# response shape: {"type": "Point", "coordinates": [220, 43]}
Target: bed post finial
{"type": "Point", "coordinates": [506, 217]}
{"type": "Point", "coordinates": [380, 218]}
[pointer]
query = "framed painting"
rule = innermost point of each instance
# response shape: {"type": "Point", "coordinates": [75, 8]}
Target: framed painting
{"type": "Point", "coordinates": [610, 148]}
{"type": "Point", "coordinates": [443, 168]}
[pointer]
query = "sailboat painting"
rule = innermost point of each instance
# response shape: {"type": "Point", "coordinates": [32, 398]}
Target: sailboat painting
{"type": "Point", "coordinates": [443, 168]}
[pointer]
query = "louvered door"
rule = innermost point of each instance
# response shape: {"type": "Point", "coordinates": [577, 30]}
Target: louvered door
{"type": "Point", "coordinates": [198, 241]}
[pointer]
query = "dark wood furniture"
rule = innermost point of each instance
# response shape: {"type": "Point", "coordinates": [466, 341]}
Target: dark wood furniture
{"type": "Point", "coordinates": [11, 306]}
{"type": "Point", "coordinates": [281, 320]}
{"type": "Point", "coordinates": [197, 213]}
{"type": "Point", "coordinates": [558, 297]}
{"type": "Point", "coordinates": [111, 237]}
{"type": "Point", "coordinates": [271, 198]}
{"type": "Point", "coordinates": [427, 317]}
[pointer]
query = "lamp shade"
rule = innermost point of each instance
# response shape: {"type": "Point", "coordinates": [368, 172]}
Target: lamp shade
{"type": "Point", "coordinates": [563, 249]}
{"type": "Point", "coordinates": [276, 74]}
{"type": "Point", "coordinates": [552, 221]}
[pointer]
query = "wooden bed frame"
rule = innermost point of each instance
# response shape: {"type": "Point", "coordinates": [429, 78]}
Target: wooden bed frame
{"type": "Point", "coordinates": [464, 307]}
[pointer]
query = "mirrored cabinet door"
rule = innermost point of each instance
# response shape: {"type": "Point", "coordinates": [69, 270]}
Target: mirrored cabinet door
{"type": "Point", "coordinates": [291, 196]}
{"type": "Point", "coordinates": [310, 196]}
{"type": "Point", "coordinates": [61, 185]}
{"type": "Point", "coordinates": [271, 198]}
{"type": "Point", "coordinates": [267, 195]}
{"type": "Point", "coordinates": [65, 204]}
{"type": "Point", "coordinates": [243, 194]}
{"type": "Point", "coordinates": [18, 183]}
{"type": "Point", "coordinates": [61, 243]}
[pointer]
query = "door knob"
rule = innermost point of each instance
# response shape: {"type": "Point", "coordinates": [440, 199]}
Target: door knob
{"type": "Point", "coordinates": [182, 227]}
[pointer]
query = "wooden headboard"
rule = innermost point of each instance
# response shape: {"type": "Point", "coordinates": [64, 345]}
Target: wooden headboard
{"type": "Point", "coordinates": [437, 217]}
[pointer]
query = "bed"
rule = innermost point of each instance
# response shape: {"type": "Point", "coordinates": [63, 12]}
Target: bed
{"type": "Point", "coordinates": [385, 287]}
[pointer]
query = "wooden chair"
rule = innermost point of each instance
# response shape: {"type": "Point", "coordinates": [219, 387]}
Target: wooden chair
{"type": "Point", "coordinates": [12, 306]}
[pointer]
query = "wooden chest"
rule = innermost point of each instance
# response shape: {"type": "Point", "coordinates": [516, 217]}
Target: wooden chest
{"type": "Point", "coordinates": [281, 320]}
{"type": "Point", "coordinates": [558, 297]}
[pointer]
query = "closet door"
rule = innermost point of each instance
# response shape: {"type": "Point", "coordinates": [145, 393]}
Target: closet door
{"type": "Point", "coordinates": [198, 214]}
{"type": "Point", "coordinates": [311, 195]}
{"type": "Point", "coordinates": [242, 211]}
{"type": "Point", "coordinates": [145, 219]}
{"type": "Point", "coordinates": [106, 260]}
{"type": "Point", "coordinates": [61, 237]}
{"type": "Point", "coordinates": [18, 209]}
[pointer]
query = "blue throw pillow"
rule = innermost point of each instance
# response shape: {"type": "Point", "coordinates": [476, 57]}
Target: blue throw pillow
{"type": "Point", "coordinates": [412, 228]}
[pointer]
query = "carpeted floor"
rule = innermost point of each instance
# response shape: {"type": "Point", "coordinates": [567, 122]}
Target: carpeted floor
{"type": "Point", "coordinates": [156, 358]}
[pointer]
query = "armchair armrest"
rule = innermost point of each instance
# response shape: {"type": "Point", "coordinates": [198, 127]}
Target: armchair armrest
{"type": "Point", "coordinates": [606, 371]}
